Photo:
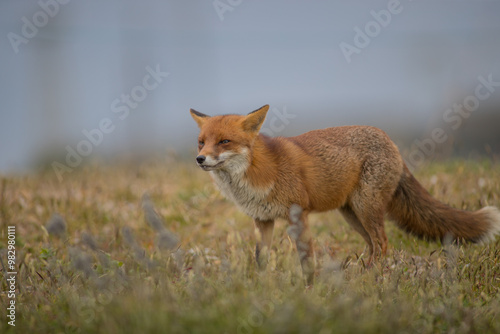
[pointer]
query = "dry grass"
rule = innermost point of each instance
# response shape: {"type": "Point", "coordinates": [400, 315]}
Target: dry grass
{"type": "Point", "coordinates": [180, 259]}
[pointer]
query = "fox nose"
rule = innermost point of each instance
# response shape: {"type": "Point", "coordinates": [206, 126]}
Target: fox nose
{"type": "Point", "coordinates": [201, 159]}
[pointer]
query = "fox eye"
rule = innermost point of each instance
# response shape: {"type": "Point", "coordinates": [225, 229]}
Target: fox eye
{"type": "Point", "coordinates": [225, 141]}
{"type": "Point", "coordinates": [201, 143]}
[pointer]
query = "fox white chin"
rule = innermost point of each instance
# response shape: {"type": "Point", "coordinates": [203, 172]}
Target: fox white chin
{"type": "Point", "coordinates": [231, 162]}
{"type": "Point", "coordinates": [208, 168]}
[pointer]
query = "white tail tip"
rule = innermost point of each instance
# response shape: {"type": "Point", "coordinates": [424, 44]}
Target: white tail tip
{"type": "Point", "coordinates": [493, 216]}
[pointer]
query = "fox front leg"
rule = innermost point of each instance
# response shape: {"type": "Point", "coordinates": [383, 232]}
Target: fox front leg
{"type": "Point", "coordinates": [299, 232]}
{"type": "Point", "coordinates": [265, 229]}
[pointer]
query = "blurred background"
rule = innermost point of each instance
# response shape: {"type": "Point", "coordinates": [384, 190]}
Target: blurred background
{"type": "Point", "coordinates": [109, 78]}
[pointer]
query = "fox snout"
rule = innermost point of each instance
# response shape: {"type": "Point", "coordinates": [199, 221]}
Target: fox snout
{"type": "Point", "coordinates": [200, 159]}
{"type": "Point", "coordinates": [204, 161]}
{"type": "Point", "coordinates": [208, 163]}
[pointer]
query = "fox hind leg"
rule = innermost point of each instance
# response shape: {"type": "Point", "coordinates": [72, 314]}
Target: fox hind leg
{"type": "Point", "coordinates": [369, 209]}
{"type": "Point", "coordinates": [353, 220]}
{"type": "Point", "coordinates": [378, 182]}
{"type": "Point", "coordinates": [382, 238]}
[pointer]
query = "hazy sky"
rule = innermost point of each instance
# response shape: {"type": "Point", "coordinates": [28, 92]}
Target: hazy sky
{"type": "Point", "coordinates": [67, 77]}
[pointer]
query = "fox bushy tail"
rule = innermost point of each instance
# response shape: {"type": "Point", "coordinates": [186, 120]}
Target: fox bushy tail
{"type": "Point", "coordinates": [417, 212]}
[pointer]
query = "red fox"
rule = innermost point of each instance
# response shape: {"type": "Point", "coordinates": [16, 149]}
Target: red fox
{"type": "Point", "coordinates": [356, 169]}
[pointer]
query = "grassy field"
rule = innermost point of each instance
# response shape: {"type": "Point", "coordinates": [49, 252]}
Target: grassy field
{"type": "Point", "coordinates": [156, 249]}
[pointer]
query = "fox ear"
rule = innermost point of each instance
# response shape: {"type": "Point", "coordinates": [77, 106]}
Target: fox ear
{"type": "Point", "coordinates": [253, 121]}
{"type": "Point", "coordinates": [198, 117]}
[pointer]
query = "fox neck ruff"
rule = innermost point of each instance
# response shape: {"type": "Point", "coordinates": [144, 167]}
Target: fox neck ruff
{"type": "Point", "coordinates": [248, 181]}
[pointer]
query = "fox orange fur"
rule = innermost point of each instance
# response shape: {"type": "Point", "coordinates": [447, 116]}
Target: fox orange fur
{"type": "Point", "coordinates": [356, 169]}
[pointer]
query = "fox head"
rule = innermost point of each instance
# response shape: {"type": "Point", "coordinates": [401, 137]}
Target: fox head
{"type": "Point", "coordinates": [225, 142]}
